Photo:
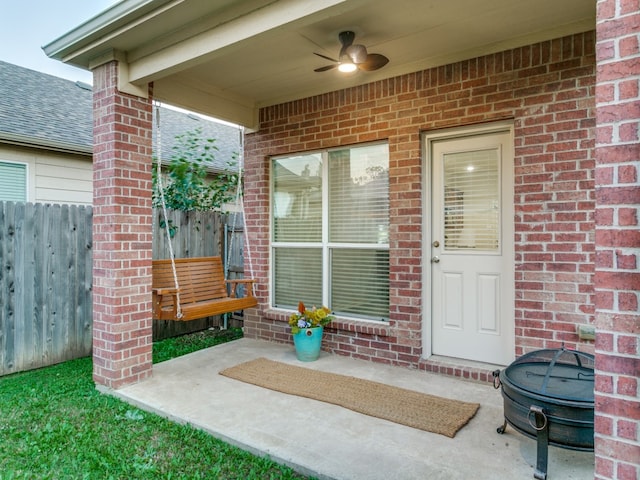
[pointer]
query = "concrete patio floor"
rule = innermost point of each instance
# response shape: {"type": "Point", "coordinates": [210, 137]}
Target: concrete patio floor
{"type": "Point", "coordinates": [330, 442]}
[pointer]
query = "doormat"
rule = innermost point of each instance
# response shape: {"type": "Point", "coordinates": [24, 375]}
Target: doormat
{"type": "Point", "coordinates": [406, 407]}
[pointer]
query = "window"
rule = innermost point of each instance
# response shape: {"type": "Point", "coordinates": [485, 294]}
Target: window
{"type": "Point", "coordinates": [13, 182]}
{"type": "Point", "coordinates": [330, 240]}
{"type": "Point", "coordinates": [471, 200]}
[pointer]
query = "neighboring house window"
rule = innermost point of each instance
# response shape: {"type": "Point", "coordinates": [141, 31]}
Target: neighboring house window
{"type": "Point", "coordinates": [330, 240]}
{"type": "Point", "coordinates": [13, 182]}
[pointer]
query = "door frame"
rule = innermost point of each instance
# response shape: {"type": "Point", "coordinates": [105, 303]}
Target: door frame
{"type": "Point", "coordinates": [428, 138]}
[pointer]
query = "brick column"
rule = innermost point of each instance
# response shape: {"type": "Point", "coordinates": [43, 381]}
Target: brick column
{"type": "Point", "coordinates": [617, 277]}
{"type": "Point", "coordinates": [122, 229]}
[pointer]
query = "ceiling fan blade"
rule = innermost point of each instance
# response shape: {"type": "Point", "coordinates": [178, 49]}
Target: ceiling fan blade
{"type": "Point", "coordinates": [325, 57]}
{"type": "Point", "coordinates": [356, 55]}
{"type": "Point", "coordinates": [325, 68]}
{"type": "Point", "coordinates": [374, 61]}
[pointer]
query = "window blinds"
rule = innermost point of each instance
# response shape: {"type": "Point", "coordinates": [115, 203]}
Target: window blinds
{"type": "Point", "coordinates": [472, 200]}
{"type": "Point", "coordinates": [330, 237]}
{"type": "Point", "coordinates": [13, 182]}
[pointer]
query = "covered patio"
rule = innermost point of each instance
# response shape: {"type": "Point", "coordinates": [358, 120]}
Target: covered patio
{"type": "Point", "coordinates": [330, 442]}
{"type": "Point", "coordinates": [562, 74]}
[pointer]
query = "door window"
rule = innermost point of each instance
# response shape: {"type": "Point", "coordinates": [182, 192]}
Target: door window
{"type": "Point", "coordinates": [471, 200]}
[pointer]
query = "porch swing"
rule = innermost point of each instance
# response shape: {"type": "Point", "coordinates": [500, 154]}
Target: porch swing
{"type": "Point", "coordinates": [186, 289]}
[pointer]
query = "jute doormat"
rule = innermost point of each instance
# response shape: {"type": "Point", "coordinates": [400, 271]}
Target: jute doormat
{"type": "Point", "coordinates": [399, 405]}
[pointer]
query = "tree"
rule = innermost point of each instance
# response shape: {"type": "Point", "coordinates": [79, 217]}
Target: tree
{"type": "Point", "coordinates": [184, 181]}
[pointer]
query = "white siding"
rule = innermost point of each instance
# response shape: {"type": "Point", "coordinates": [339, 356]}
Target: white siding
{"type": "Point", "coordinates": [54, 177]}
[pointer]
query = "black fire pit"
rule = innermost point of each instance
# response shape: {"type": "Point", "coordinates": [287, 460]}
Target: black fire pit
{"type": "Point", "coordinates": [548, 395]}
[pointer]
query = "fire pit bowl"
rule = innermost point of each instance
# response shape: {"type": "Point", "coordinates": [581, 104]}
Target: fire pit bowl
{"type": "Point", "coordinates": [548, 395]}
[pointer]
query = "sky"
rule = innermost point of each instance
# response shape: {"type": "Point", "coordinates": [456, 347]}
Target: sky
{"type": "Point", "coordinates": [27, 25]}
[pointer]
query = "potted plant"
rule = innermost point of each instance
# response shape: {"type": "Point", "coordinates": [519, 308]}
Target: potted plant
{"type": "Point", "coordinates": [307, 326]}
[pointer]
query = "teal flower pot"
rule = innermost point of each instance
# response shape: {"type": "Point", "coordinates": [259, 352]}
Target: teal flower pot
{"type": "Point", "coordinates": [308, 342]}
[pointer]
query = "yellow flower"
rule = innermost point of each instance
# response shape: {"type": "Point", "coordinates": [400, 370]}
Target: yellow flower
{"type": "Point", "coordinates": [309, 318]}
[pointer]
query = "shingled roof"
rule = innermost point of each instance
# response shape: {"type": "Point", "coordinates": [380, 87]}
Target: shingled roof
{"type": "Point", "coordinates": [174, 123]}
{"type": "Point", "coordinates": [44, 111]}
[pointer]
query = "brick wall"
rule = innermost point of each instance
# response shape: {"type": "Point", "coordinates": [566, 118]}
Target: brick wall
{"type": "Point", "coordinates": [617, 279]}
{"type": "Point", "coordinates": [547, 90]}
{"type": "Point", "coordinates": [121, 233]}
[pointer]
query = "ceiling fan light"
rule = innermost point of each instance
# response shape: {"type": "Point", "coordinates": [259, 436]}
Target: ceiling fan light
{"type": "Point", "coordinates": [347, 67]}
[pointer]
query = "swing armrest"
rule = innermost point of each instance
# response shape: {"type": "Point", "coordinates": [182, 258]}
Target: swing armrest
{"type": "Point", "coordinates": [242, 281]}
{"type": "Point", "coordinates": [157, 294]}
{"type": "Point", "coordinates": [165, 291]}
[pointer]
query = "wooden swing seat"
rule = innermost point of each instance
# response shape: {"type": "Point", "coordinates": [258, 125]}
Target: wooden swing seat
{"type": "Point", "coordinates": [202, 287]}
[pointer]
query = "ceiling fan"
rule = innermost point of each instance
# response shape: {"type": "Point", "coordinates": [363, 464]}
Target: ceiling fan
{"type": "Point", "coordinates": [353, 57]}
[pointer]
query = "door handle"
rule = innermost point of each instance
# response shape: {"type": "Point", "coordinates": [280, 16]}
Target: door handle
{"type": "Point", "coordinates": [435, 259]}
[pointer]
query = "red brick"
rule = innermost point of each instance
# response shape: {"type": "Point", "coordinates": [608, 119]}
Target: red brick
{"type": "Point", "coordinates": [122, 158]}
{"type": "Point", "coordinates": [627, 471]}
{"type": "Point", "coordinates": [604, 467]}
{"type": "Point", "coordinates": [628, 173]}
{"type": "Point", "coordinates": [627, 429]}
{"type": "Point", "coordinates": [628, 132]}
{"type": "Point", "coordinates": [627, 217]}
{"type": "Point", "coordinates": [617, 238]}
{"type": "Point", "coordinates": [625, 262]}
{"type": "Point", "coordinates": [617, 364]}
{"type": "Point", "coordinates": [628, 345]}
{"type": "Point", "coordinates": [603, 425]}
{"type": "Point", "coordinates": [629, 89]}
{"type": "Point", "coordinates": [628, 302]}
{"type": "Point", "coordinates": [620, 450]}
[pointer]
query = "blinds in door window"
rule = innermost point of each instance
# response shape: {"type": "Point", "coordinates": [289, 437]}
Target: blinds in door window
{"type": "Point", "coordinates": [472, 200]}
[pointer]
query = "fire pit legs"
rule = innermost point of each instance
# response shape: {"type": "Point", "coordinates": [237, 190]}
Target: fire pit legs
{"type": "Point", "coordinates": [503, 428]}
{"type": "Point", "coordinates": [542, 438]}
{"type": "Point", "coordinates": [542, 427]}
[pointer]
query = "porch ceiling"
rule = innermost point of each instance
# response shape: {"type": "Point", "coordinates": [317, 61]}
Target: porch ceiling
{"type": "Point", "coordinates": [228, 58]}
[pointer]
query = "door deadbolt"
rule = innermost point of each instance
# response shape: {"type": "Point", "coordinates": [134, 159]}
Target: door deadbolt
{"type": "Point", "coordinates": [436, 244]}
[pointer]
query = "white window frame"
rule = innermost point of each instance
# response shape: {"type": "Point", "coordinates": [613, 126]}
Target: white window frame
{"type": "Point", "coordinates": [26, 176]}
{"type": "Point", "coordinates": [324, 244]}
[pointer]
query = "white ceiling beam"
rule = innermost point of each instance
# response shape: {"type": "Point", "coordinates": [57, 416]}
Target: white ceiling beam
{"type": "Point", "coordinates": [207, 100]}
{"type": "Point", "coordinates": [202, 47]}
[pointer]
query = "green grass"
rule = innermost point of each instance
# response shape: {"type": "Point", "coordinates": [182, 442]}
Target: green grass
{"type": "Point", "coordinates": [54, 424]}
{"type": "Point", "coordinates": [177, 346]}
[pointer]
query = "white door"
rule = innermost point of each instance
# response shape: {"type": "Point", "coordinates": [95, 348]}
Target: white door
{"type": "Point", "coordinates": [471, 247]}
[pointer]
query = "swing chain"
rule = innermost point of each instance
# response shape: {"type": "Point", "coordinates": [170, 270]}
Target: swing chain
{"type": "Point", "coordinates": [164, 211]}
{"type": "Point", "coordinates": [240, 202]}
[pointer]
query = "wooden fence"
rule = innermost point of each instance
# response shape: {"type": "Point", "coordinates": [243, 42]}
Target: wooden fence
{"type": "Point", "coordinates": [45, 284]}
{"type": "Point", "coordinates": [46, 277]}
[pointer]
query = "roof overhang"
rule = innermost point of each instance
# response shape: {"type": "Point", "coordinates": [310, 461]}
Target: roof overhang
{"type": "Point", "coordinates": [30, 141]}
{"type": "Point", "coordinates": [229, 58]}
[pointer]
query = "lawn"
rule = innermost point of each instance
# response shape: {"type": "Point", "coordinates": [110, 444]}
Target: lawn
{"type": "Point", "coordinates": [54, 424]}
